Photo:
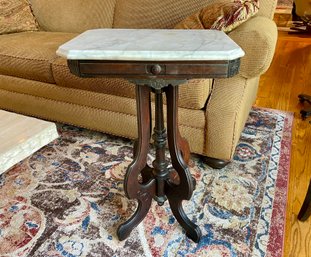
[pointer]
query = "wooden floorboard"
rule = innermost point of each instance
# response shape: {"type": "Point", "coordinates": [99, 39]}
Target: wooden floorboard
{"type": "Point", "coordinates": [288, 76]}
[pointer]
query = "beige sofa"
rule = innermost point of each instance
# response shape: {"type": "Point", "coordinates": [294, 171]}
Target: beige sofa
{"type": "Point", "coordinates": [35, 81]}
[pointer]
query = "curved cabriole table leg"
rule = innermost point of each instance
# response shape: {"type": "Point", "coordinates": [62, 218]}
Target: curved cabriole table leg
{"type": "Point", "coordinates": [157, 182]}
{"type": "Point", "coordinates": [143, 192]}
{"type": "Point", "coordinates": [146, 172]}
{"type": "Point", "coordinates": [176, 193]}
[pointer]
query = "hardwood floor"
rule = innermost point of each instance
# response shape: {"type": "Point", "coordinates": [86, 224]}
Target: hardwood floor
{"type": "Point", "coordinates": [288, 76]}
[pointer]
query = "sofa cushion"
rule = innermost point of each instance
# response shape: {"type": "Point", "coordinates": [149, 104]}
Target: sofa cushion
{"type": "Point", "coordinates": [16, 16]}
{"type": "Point", "coordinates": [193, 95]}
{"type": "Point", "coordinates": [154, 14]}
{"type": "Point", "coordinates": [29, 54]}
{"type": "Point", "coordinates": [73, 15]}
{"type": "Point", "coordinates": [224, 16]}
{"type": "Point", "coordinates": [167, 13]}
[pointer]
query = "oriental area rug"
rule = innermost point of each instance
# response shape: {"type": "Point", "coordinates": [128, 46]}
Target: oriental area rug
{"type": "Point", "coordinates": [67, 199]}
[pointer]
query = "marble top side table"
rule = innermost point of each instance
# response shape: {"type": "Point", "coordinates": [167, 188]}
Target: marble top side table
{"type": "Point", "coordinates": [156, 61]}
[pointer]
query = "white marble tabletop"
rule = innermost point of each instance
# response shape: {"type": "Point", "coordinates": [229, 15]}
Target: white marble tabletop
{"type": "Point", "coordinates": [21, 136]}
{"type": "Point", "coordinates": [151, 45]}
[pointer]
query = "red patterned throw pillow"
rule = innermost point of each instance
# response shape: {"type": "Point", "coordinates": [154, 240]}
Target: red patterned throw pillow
{"type": "Point", "coordinates": [224, 15]}
{"type": "Point", "coordinates": [16, 16]}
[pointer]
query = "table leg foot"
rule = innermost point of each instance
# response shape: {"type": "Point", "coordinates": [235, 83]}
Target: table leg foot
{"type": "Point", "coordinates": [126, 228]}
{"type": "Point", "coordinates": [192, 230]}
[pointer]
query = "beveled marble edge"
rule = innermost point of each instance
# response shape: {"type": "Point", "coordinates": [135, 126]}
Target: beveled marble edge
{"type": "Point", "coordinates": [27, 148]}
{"type": "Point", "coordinates": [137, 56]}
{"type": "Point", "coordinates": [24, 148]}
{"type": "Point", "coordinates": [209, 45]}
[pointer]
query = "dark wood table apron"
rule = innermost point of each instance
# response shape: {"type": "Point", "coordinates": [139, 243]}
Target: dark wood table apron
{"type": "Point", "coordinates": [158, 182]}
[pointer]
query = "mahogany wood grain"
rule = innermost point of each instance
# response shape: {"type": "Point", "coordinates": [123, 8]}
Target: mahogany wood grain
{"type": "Point", "coordinates": [134, 190]}
{"type": "Point", "coordinates": [162, 70]}
{"type": "Point", "coordinates": [183, 191]}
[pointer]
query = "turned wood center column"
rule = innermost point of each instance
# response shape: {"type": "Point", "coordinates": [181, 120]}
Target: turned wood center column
{"type": "Point", "coordinates": [160, 171]}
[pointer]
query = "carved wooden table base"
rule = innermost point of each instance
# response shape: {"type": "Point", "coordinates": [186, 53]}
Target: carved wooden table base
{"type": "Point", "coordinates": [142, 182]}
{"type": "Point", "coordinates": [157, 182]}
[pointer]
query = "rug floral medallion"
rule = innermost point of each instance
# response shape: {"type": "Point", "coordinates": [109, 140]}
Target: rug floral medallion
{"type": "Point", "coordinates": [67, 199]}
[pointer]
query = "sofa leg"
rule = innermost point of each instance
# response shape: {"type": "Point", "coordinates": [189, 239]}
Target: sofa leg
{"type": "Point", "coordinates": [215, 163]}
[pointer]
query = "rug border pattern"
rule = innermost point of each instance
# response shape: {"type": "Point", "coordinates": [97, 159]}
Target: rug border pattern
{"type": "Point", "coordinates": [275, 245]}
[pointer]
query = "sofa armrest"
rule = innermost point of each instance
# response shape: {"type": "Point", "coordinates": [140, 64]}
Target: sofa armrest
{"type": "Point", "coordinates": [257, 37]}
